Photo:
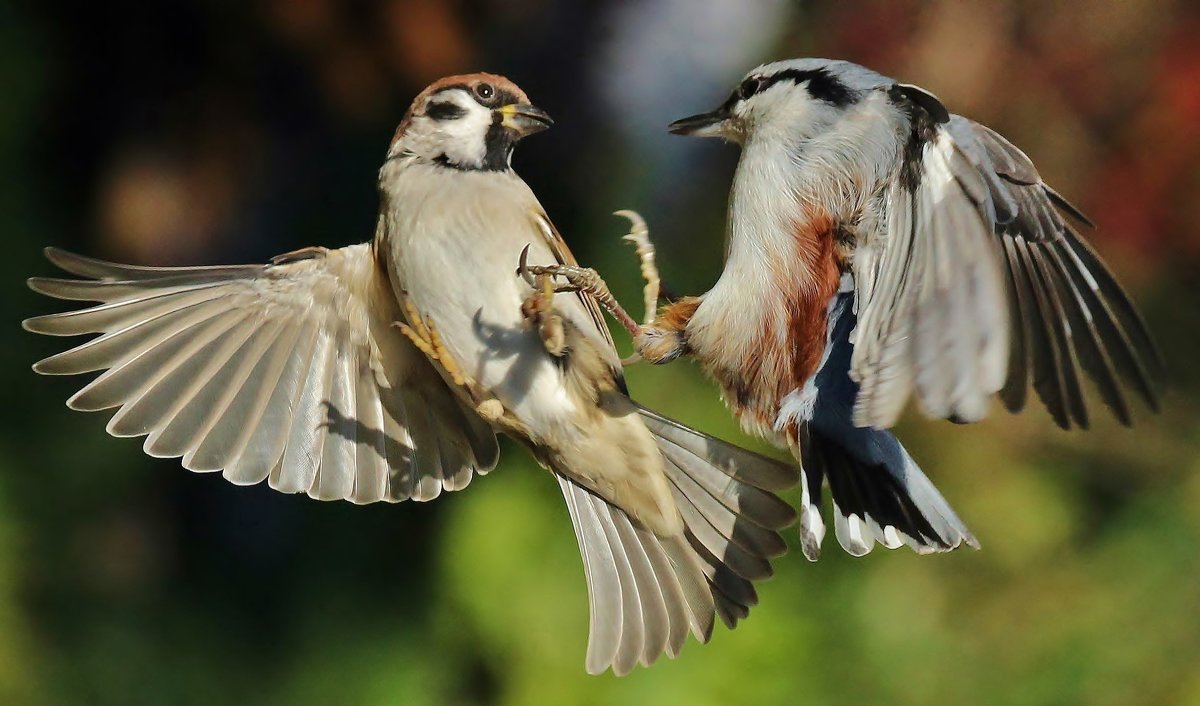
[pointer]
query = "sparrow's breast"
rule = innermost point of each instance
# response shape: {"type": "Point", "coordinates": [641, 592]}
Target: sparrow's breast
{"type": "Point", "coordinates": [454, 239]}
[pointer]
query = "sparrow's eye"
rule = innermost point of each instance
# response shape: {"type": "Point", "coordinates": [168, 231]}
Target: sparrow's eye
{"type": "Point", "coordinates": [485, 91]}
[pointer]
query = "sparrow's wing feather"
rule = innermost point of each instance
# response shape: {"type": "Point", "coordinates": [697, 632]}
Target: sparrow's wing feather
{"type": "Point", "coordinates": [643, 607]}
{"type": "Point", "coordinates": [726, 496]}
{"type": "Point", "coordinates": [932, 312]}
{"type": "Point", "coordinates": [1073, 315]}
{"type": "Point", "coordinates": [290, 372]}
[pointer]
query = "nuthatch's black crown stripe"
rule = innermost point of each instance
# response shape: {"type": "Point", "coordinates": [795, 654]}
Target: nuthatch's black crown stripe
{"type": "Point", "coordinates": [821, 85]}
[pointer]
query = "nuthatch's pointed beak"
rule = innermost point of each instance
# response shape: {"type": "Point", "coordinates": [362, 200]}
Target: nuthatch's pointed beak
{"type": "Point", "coordinates": [524, 119]}
{"type": "Point", "coordinates": [703, 125]}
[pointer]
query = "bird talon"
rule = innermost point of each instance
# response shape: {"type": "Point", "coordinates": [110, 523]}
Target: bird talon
{"type": "Point", "coordinates": [523, 267]}
{"type": "Point", "coordinates": [639, 235]}
{"type": "Point", "coordinates": [538, 310]}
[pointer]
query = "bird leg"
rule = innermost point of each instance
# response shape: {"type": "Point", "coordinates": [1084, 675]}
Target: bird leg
{"type": "Point", "coordinates": [579, 279]}
{"type": "Point", "coordinates": [423, 334]}
{"type": "Point", "coordinates": [639, 235]}
{"type": "Point", "coordinates": [661, 338]}
{"type": "Point", "coordinates": [538, 310]}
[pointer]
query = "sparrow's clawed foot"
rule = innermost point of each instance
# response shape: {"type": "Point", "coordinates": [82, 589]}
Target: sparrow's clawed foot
{"type": "Point", "coordinates": [424, 335]}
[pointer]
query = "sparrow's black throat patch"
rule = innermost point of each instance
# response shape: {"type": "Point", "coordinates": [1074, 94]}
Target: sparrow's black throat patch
{"type": "Point", "coordinates": [498, 146]}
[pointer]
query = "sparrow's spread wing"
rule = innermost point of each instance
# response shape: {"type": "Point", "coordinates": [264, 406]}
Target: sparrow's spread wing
{"type": "Point", "coordinates": [646, 591]}
{"type": "Point", "coordinates": [974, 282]}
{"type": "Point", "coordinates": [290, 372]}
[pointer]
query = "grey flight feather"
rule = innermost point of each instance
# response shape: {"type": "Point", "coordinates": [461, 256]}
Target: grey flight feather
{"type": "Point", "coordinates": [982, 285]}
{"type": "Point", "coordinates": [290, 372]}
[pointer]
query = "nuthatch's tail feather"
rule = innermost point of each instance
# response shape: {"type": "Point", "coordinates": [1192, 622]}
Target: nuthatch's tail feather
{"type": "Point", "coordinates": [879, 495]}
{"type": "Point", "coordinates": [879, 492]}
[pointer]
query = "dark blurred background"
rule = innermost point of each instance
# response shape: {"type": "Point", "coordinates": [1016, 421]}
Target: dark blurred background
{"type": "Point", "coordinates": [202, 132]}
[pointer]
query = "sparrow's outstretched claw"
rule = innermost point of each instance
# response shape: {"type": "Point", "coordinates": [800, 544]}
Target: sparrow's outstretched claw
{"type": "Point", "coordinates": [523, 267]}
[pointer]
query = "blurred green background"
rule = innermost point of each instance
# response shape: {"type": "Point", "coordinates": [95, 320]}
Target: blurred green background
{"type": "Point", "coordinates": [216, 131]}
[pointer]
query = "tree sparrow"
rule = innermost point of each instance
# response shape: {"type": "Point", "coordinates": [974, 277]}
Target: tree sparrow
{"type": "Point", "coordinates": [382, 371]}
{"type": "Point", "coordinates": [879, 245]}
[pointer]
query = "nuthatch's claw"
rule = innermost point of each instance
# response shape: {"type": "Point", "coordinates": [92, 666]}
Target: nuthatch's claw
{"type": "Point", "coordinates": [639, 235]}
{"type": "Point", "coordinates": [523, 267]}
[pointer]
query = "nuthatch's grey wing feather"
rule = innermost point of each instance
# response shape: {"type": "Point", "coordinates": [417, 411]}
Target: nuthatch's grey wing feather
{"type": "Point", "coordinates": [1068, 310]}
{"type": "Point", "coordinates": [932, 309]}
{"type": "Point", "coordinates": [290, 372]}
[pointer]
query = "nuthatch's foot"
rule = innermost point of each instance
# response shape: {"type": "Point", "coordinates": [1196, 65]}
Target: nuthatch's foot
{"type": "Point", "coordinates": [538, 310]}
{"type": "Point", "coordinates": [639, 235]}
{"type": "Point", "coordinates": [657, 345]}
{"type": "Point", "coordinates": [578, 279]}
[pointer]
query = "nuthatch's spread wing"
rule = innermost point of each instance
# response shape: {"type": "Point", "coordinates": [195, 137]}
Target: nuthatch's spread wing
{"type": "Point", "coordinates": [1069, 313]}
{"type": "Point", "coordinates": [289, 372]}
{"type": "Point", "coordinates": [976, 283]}
{"type": "Point", "coordinates": [931, 306]}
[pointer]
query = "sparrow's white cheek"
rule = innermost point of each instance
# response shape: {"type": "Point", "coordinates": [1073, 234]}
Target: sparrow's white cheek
{"type": "Point", "coordinates": [463, 140]}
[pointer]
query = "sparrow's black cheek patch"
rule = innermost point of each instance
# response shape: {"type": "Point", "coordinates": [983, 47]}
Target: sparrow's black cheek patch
{"type": "Point", "coordinates": [444, 110]}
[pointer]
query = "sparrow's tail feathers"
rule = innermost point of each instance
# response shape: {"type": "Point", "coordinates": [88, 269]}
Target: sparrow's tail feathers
{"type": "Point", "coordinates": [727, 498]}
{"type": "Point", "coordinates": [879, 495]}
{"type": "Point", "coordinates": [646, 591]}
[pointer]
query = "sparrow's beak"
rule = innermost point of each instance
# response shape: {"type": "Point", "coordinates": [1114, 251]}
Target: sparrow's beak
{"type": "Point", "coordinates": [703, 125]}
{"type": "Point", "coordinates": [524, 119]}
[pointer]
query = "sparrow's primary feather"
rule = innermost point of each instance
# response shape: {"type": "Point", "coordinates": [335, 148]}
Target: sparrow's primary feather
{"type": "Point", "coordinates": [289, 372]}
